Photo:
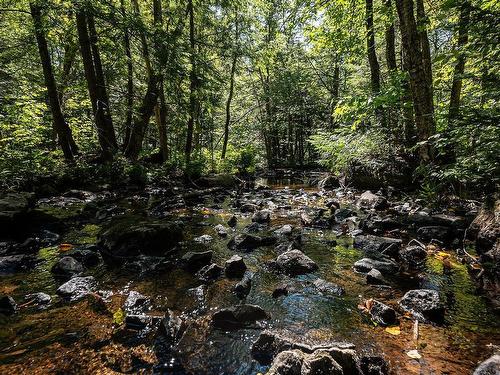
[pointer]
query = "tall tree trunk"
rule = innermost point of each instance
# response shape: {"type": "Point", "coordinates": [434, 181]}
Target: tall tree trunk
{"type": "Point", "coordinates": [390, 40]}
{"type": "Point", "coordinates": [424, 43]}
{"type": "Point", "coordinates": [419, 85]}
{"type": "Point", "coordinates": [106, 141]}
{"type": "Point", "coordinates": [463, 37]}
{"type": "Point", "coordinates": [372, 55]}
{"type": "Point", "coordinates": [228, 105]}
{"type": "Point", "coordinates": [130, 81]}
{"type": "Point", "coordinates": [62, 129]}
{"type": "Point", "coordinates": [192, 86]}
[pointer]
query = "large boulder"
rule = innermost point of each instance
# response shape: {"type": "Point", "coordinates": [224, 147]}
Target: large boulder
{"type": "Point", "coordinates": [125, 239]}
{"type": "Point", "coordinates": [77, 287]}
{"type": "Point", "coordinates": [295, 262]}
{"type": "Point", "coordinates": [491, 366]}
{"type": "Point", "coordinates": [370, 200]}
{"type": "Point", "coordinates": [295, 362]}
{"type": "Point", "coordinates": [227, 181]}
{"type": "Point", "coordinates": [238, 316]}
{"type": "Point", "coordinates": [210, 272]}
{"type": "Point", "coordinates": [374, 246]}
{"type": "Point", "coordinates": [385, 266]}
{"type": "Point", "coordinates": [14, 208]}
{"type": "Point", "coordinates": [424, 304]}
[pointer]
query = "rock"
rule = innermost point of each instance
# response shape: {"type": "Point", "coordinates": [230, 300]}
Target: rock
{"type": "Point", "coordinates": [136, 302]}
{"type": "Point", "coordinates": [262, 217]}
{"type": "Point", "coordinates": [288, 362]}
{"type": "Point", "coordinates": [248, 207]}
{"type": "Point", "coordinates": [221, 230]}
{"type": "Point", "coordinates": [205, 239]}
{"type": "Point", "coordinates": [285, 230]}
{"type": "Point", "coordinates": [129, 238]}
{"type": "Point", "coordinates": [370, 200]}
{"type": "Point", "coordinates": [327, 287]}
{"type": "Point", "coordinates": [320, 363]}
{"type": "Point", "coordinates": [7, 305]}
{"type": "Point", "coordinates": [332, 204]}
{"type": "Point", "coordinates": [88, 256]}
{"type": "Point", "coordinates": [382, 314]}
{"type": "Point", "coordinates": [414, 256]}
{"type": "Point", "coordinates": [194, 261]}
{"type": "Point", "coordinates": [440, 233]}
{"type": "Point", "coordinates": [328, 183]}
{"type": "Point", "coordinates": [375, 246]}
{"type": "Point", "coordinates": [280, 290]}
{"type": "Point", "coordinates": [42, 300]}
{"type": "Point", "coordinates": [13, 210]}
{"type": "Point", "coordinates": [17, 263]}
{"type": "Point", "coordinates": [243, 287]}
{"type": "Point", "coordinates": [375, 277]}
{"type": "Point", "coordinates": [255, 227]}
{"type": "Point", "coordinates": [210, 272]}
{"type": "Point", "coordinates": [232, 221]}
{"type": "Point", "coordinates": [223, 180]}
{"type": "Point", "coordinates": [424, 304]}
{"type": "Point", "coordinates": [342, 214]}
{"type": "Point", "coordinates": [235, 267]}
{"type": "Point", "coordinates": [295, 262]}
{"type": "Point", "coordinates": [372, 365]}
{"type": "Point", "coordinates": [137, 321]}
{"type": "Point", "coordinates": [491, 366]}
{"type": "Point", "coordinates": [67, 267]}
{"type": "Point", "coordinates": [171, 329]}
{"type": "Point", "coordinates": [238, 316]}
{"type": "Point", "coordinates": [245, 242]}
{"type": "Point", "coordinates": [386, 266]}
{"type": "Point", "coordinates": [77, 288]}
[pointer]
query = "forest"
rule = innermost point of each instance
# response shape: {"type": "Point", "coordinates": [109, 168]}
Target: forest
{"type": "Point", "coordinates": [282, 187]}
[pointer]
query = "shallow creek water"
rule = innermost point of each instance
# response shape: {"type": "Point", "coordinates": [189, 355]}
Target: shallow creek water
{"type": "Point", "coordinates": [82, 338]}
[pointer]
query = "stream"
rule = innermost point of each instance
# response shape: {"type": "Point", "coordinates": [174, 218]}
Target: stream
{"type": "Point", "coordinates": [92, 335]}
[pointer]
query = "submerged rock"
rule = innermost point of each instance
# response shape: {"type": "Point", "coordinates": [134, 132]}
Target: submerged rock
{"type": "Point", "coordinates": [491, 366]}
{"type": "Point", "coordinates": [135, 302]}
{"type": "Point", "coordinates": [235, 266]}
{"type": "Point", "coordinates": [374, 365]}
{"type": "Point", "coordinates": [424, 304]}
{"type": "Point", "coordinates": [281, 290]}
{"type": "Point", "coordinates": [382, 314]}
{"type": "Point", "coordinates": [295, 262]}
{"type": "Point", "coordinates": [386, 266]}
{"type": "Point", "coordinates": [67, 267]}
{"type": "Point", "coordinates": [327, 287]}
{"type": "Point", "coordinates": [238, 316]}
{"type": "Point", "coordinates": [7, 305]}
{"type": "Point", "coordinates": [77, 288]}
{"type": "Point", "coordinates": [194, 261]}
{"type": "Point", "coordinates": [232, 221]}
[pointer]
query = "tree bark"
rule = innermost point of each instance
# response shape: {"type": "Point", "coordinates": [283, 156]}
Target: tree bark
{"type": "Point", "coordinates": [372, 55]}
{"type": "Point", "coordinates": [419, 85]}
{"type": "Point", "coordinates": [192, 86]}
{"type": "Point", "coordinates": [463, 37]}
{"type": "Point", "coordinates": [390, 40]}
{"type": "Point", "coordinates": [424, 43]}
{"type": "Point", "coordinates": [130, 81]}
{"type": "Point", "coordinates": [62, 129]}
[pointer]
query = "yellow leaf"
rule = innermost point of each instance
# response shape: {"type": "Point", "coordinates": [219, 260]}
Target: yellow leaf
{"type": "Point", "coordinates": [442, 254]}
{"type": "Point", "coordinates": [65, 247]}
{"type": "Point", "coordinates": [118, 317]}
{"type": "Point", "coordinates": [393, 330]}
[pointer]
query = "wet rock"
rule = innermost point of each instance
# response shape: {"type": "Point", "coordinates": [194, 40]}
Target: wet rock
{"type": "Point", "coordinates": [332, 204]}
{"type": "Point", "coordinates": [439, 233]}
{"type": "Point", "coordinates": [210, 272]}
{"type": "Point", "coordinates": [137, 321]}
{"type": "Point", "coordinates": [248, 207]}
{"type": "Point", "coordinates": [281, 290]}
{"type": "Point", "coordinates": [77, 288]}
{"type": "Point", "coordinates": [262, 217]}
{"type": "Point", "coordinates": [171, 329]}
{"type": "Point", "coordinates": [7, 305]}
{"type": "Point", "coordinates": [249, 242]}
{"type": "Point", "coordinates": [125, 239]}
{"type": "Point", "coordinates": [67, 267]}
{"type": "Point", "coordinates": [285, 230]}
{"type": "Point", "coordinates": [491, 366]}
{"type": "Point", "coordinates": [88, 256]}
{"type": "Point", "coordinates": [424, 304]}
{"type": "Point", "coordinates": [382, 314]}
{"type": "Point", "coordinates": [136, 302]}
{"type": "Point", "coordinates": [221, 230]}
{"type": "Point", "coordinates": [232, 221]}
{"type": "Point", "coordinates": [235, 267]}
{"type": "Point", "coordinates": [370, 200]}
{"type": "Point", "coordinates": [17, 263]}
{"type": "Point", "coordinates": [13, 210]}
{"type": "Point", "coordinates": [328, 183]}
{"type": "Point", "coordinates": [288, 362]}
{"type": "Point", "coordinates": [320, 363]}
{"type": "Point", "coordinates": [373, 365]}
{"type": "Point", "coordinates": [328, 288]}
{"type": "Point", "coordinates": [194, 261]}
{"type": "Point", "coordinates": [204, 239]}
{"type": "Point", "coordinates": [238, 316]}
{"type": "Point", "coordinates": [386, 266]}
{"type": "Point", "coordinates": [342, 214]}
{"type": "Point", "coordinates": [295, 262]}
{"type": "Point", "coordinates": [243, 287]}
{"type": "Point", "coordinates": [414, 256]}
{"type": "Point", "coordinates": [42, 300]}
{"type": "Point", "coordinates": [255, 228]}
{"type": "Point", "coordinates": [373, 246]}
{"type": "Point", "coordinates": [374, 277]}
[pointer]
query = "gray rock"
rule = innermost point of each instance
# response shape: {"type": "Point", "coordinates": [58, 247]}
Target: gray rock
{"type": "Point", "coordinates": [77, 288]}
{"type": "Point", "coordinates": [436, 232]}
{"type": "Point", "coordinates": [288, 362]}
{"type": "Point", "coordinates": [328, 288]}
{"type": "Point", "coordinates": [285, 230]}
{"type": "Point", "coordinates": [238, 316]}
{"type": "Point", "coordinates": [194, 261]}
{"type": "Point", "coordinates": [204, 239]}
{"type": "Point", "coordinates": [385, 266]}
{"type": "Point", "coordinates": [243, 287]}
{"type": "Point", "coordinates": [295, 262]}
{"type": "Point", "coordinates": [320, 363]}
{"type": "Point", "coordinates": [248, 207]}
{"type": "Point", "coordinates": [42, 300]}
{"type": "Point", "coordinates": [370, 200]}
{"type": "Point", "coordinates": [210, 272]}
{"type": "Point", "coordinates": [67, 267]}
{"type": "Point", "coordinates": [491, 366]}
{"type": "Point", "coordinates": [246, 242]}
{"type": "Point", "coordinates": [342, 214]}
{"type": "Point", "coordinates": [221, 230]}
{"type": "Point", "coordinates": [7, 305]}
{"type": "Point", "coordinates": [262, 217]}
{"type": "Point", "coordinates": [413, 256]}
{"type": "Point", "coordinates": [375, 277]}
{"type": "Point", "coordinates": [17, 263]}
{"type": "Point", "coordinates": [137, 321]}
{"type": "Point", "coordinates": [383, 314]}
{"type": "Point", "coordinates": [281, 290]}
{"type": "Point", "coordinates": [424, 304]}
{"type": "Point", "coordinates": [136, 302]}
{"type": "Point", "coordinates": [374, 246]}
{"type": "Point", "coordinates": [235, 266]}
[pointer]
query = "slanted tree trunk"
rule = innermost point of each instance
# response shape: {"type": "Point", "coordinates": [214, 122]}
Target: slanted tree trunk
{"type": "Point", "coordinates": [192, 86]}
{"type": "Point", "coordinates": [130, 81]}
{"type": "Point", "coordinates": [463, 37]}
{"type": "Point", "coordinates": [62, 129]}
{"type": "Point", "coordinates": [420, 88]}
{"type": "Point", "coordinates": [105, 131]}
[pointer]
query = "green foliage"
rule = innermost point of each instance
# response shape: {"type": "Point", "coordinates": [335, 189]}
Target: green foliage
{"type": "Point", "coordinates": [241, 161]}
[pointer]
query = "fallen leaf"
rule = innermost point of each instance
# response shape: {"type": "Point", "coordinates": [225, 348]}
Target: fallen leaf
{"type": "Point", "coordinates": [65, 247]}
{"type": "Point", "coordinates": [442, 254]}
{"type": "Point", "coordinates": [393, 330]}
{"type": "Point", "coordinates": [476, 266]}
{"type": "Point", "coordinates": [414, 354]}
{"type": "Point", "coordinates": [369, 304]}
{"type": "Point", "coordinates": [118, 317]}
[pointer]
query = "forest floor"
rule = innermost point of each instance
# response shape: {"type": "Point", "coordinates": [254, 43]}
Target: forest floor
{"type": "Point", "coordinates": [168, 279]}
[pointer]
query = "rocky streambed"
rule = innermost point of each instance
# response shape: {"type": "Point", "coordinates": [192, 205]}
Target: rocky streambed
{"type": "Point", "coordinates": [284, 278]}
